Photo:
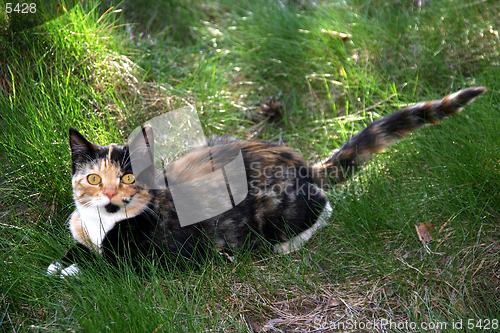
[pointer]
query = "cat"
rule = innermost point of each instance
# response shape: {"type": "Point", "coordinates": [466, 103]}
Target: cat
{"type": "Point", "coordinates": [118, 217]}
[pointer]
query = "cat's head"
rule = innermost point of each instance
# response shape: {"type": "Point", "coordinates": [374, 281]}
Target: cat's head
{"type": "Point", "coordinates": [103, 178]}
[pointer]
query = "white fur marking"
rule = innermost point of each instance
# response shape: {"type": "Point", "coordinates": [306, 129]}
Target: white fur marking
{"type": "Point", "coordinates": [54, 268]}
{"type": "Point", "coordinates": [70, 271]}
{"type": "Point", "coordinates": [97, 222]}
{"type": "Point", "coordinates": [296, 242]}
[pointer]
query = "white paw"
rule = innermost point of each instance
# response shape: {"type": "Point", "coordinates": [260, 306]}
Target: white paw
{"type": "Point", "coordinates": [54, 268]}
{"type": "Point", "coordinates": [70, 271]}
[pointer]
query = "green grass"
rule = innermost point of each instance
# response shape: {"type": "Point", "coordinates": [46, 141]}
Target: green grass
{"type": "Point", "coordinates": [105, 71]}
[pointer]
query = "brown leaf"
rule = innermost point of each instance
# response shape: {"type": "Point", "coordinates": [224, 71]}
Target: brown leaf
{"type": "Point", "coordinates": [423, 232]}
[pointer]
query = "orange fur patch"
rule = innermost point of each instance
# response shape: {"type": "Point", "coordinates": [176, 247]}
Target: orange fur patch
{"type": "Point", "coordinates": [78, 231]}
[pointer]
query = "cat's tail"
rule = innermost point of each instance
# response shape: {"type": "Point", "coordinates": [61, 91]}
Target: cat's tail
{"type": "Point", "coordinates": [382, 133]}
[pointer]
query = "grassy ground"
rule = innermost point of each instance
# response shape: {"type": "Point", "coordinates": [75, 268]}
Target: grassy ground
{"type": "Point", "coordinates": [270, 70]}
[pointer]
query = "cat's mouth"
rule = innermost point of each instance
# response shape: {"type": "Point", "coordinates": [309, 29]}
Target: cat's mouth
{"type": "Point", "coordinates": [112, 208]}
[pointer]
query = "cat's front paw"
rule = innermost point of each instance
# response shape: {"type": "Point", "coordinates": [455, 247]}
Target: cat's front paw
{"type": "Point", "coordinates": [70, 271]}
{"type": "Point", "coordinates": [57, 268]}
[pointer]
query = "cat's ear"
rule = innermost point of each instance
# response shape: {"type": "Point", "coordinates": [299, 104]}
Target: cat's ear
{"type": "Point", "coordinates": [78, 144]}
{"type": "Point", "coordinates": [141, 153]}
{"type": "Point", "coordinates": [142, 142]}
{"type": "Point", "coordinates": [81, 149]}
{"type": "Point", "coordinates": [144, 139]}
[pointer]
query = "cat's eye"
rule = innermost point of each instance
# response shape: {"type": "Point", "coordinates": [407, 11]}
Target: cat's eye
{"type": "Point", "coordinates": [94, 179]}
{"type": "Point", "coordinates": [128, 178]}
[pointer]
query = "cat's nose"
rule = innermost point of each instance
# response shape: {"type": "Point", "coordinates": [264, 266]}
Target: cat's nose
{"type": "Point", "coordinates": [110, 193]}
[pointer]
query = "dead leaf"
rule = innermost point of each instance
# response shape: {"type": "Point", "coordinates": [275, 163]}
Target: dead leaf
{"type": "Point", "coordinates": [423, 232]}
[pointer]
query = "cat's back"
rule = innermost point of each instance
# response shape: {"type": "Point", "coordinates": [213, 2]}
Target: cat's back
{"type": "Point", "coordinates": [278, 197]}
{"type": "Point", "coordinates": [261, 160]}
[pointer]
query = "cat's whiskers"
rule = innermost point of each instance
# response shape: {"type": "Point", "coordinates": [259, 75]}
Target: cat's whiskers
{"type": "Point", "coordinates": [134, 206]}
{"type": "Point", "coordinates": [86, 202]}
{"type": "Point", "coordinates": [125, 160]}
{"type": "Point", "coordinates": [146, 208]}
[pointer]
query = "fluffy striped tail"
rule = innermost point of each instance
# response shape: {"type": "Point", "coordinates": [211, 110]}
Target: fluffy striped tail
{"type": "Point", "coordinates": [380, 134]}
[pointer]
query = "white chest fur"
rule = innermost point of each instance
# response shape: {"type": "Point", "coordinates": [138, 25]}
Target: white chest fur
{"type": "Point", "coordinates": [89, 225]}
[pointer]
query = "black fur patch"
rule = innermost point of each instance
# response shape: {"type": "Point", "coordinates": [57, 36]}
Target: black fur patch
{"type": "Point", "coordinates": [112, 208]}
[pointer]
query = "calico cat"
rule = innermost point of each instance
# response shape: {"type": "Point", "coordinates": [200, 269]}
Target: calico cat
{"type": "Point", "coordinates": [119, 217]}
